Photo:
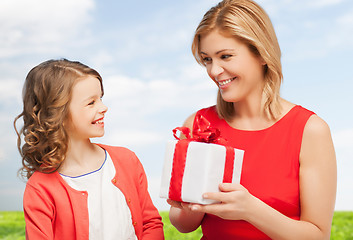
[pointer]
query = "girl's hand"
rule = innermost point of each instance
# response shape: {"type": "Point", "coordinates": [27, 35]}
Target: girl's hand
{"type": "Point", "coordinates": [234, 202]}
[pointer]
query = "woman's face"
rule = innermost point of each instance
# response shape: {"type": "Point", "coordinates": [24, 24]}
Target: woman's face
{"type": "Point", "coordinates": [233, 67]}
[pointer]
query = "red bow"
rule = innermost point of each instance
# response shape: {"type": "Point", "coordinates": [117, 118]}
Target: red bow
{"type": "Point", "coordinates": [202, 132]}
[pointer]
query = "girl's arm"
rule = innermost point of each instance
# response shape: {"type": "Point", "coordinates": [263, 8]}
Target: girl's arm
{"type": "Point", "coordinates": [180, 216]}
{"type": "Point", "coordinates": [318, 179]}
{"type": "Point", "coordinates": [38, 212]}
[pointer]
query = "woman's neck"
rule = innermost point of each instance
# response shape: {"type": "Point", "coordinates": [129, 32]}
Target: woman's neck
{"type": "Point", "coordinates": [252, 115]}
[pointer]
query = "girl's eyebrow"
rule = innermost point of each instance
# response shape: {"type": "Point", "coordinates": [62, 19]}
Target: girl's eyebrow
{"type": "Point", "coordinates": [91, 97]}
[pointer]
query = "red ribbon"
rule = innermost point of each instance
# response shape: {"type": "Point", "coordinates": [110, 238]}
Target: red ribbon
{"type": "Point", "coordinates": [202, 132]}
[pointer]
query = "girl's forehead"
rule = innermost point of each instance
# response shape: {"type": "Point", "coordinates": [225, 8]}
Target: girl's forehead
{"type": "Point", "coordinates": [87, 85]}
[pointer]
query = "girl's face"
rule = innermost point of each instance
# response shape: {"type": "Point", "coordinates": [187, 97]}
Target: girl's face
{"type": "Point", "coordinates": [233, 67]}
{"type": "Point", "coordinates": [86, 109]}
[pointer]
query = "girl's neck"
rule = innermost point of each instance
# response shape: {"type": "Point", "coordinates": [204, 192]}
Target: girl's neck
{"type": "Point", "coordinates": [82, 157]}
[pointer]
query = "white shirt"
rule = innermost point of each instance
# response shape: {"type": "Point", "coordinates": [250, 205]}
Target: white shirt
{"type": "Point", "coordinates": [109, 214]}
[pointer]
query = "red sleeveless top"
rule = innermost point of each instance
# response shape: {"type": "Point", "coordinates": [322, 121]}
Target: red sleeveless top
{"type": "Point", "coordinates": [270, 169]}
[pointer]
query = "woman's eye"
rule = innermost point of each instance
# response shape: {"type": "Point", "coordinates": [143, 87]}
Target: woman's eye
{"type": "Point", "coordinates": [225, 56]}
{"type": "Point", "coordinates": [206, 59]}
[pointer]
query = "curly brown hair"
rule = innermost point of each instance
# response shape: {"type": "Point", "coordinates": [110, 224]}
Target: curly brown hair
{"type": "Point", "coordinates": [46, 96]}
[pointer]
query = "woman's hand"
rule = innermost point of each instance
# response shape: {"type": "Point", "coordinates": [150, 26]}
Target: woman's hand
{"type": "Point", "coordinates": [181, 205]}
{"type": "Point", "coordinates": [183, 218]}
{"type": "Point", "coordinates": [234, 202]}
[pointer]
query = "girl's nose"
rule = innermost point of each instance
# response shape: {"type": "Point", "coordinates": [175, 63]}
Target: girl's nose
{"type": "Point", "coordinates": [104, 108]}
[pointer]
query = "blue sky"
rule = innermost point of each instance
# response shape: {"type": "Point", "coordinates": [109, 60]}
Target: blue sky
{"type": "Point", "coordinates": [152, 83]}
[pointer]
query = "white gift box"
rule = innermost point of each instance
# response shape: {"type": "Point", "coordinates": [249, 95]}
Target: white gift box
{"type": "Point", "coordinates": [203, 172]}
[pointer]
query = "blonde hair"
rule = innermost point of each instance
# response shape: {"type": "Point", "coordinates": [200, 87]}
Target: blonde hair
{"type": "Point", "coordinates": [46, 96]}
{"type": "Point", "coordinates": [248, 22]}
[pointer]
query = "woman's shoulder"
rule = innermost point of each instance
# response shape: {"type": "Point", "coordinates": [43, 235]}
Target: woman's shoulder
{"type": "Point", "coordinates": [295, 112]}
{"type": "Point", "coordinates": [316, 127]}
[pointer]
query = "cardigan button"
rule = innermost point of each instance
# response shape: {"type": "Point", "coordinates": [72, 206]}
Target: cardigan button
{"type": "Point", "coordinates": [135, 223]}
{"type": "Point", "coordinates": [129, 200]}
{"type": "Point", "coordinates": [114, 180]}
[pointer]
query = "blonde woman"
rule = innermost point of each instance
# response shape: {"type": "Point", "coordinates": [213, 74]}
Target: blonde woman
{"type": "Point", "coordinates": [288, 184]}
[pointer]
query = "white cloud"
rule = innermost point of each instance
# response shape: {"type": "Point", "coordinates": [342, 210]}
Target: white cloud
{"type": "Point", "coordinates": [40, 25]}
{"type": "Point", "coordinates": [12, 92]}
{"type": "Point", "coordinates": [130, 137]}
{"type": "Point", "coordinates": [343, 139]}
{"type": "Point", "coordinates": [154, 183]}
{"type": "Point", "coordinates": [157, 95]}
{"type": "Point", "coordinates": [2, 154]}
{"type": "Point", "coordinates": [323, 3]}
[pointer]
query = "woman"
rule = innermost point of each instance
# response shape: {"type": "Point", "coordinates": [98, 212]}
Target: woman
{"type": "Point", "coordinates": [288, 184]}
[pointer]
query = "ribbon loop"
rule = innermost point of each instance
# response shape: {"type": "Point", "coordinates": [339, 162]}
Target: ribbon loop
{"type": "Point", "coordinates": [202, 132]}
{"type": "Point", "coordinates": [183, 130]}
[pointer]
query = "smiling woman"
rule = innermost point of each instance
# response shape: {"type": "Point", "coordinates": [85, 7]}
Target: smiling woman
{"type": "Point", "coordinates": [288, 181]}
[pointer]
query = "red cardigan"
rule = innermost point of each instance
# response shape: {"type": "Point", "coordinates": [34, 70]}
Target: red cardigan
{"type": "Point", "coordinates": [54, 210]}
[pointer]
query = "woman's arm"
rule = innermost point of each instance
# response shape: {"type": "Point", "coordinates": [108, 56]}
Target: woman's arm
{"type": "Point", "coordinates": [317, 193]}
{"type": "Point", "coordinates": [180, 215]}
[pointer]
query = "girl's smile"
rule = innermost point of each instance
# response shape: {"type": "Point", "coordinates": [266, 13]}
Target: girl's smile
{"type": "Point", "coordinates": [99, 121]}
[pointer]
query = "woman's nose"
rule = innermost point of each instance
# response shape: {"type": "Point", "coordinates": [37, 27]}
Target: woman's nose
{"type": "Point", "coordinates": [215, 69]}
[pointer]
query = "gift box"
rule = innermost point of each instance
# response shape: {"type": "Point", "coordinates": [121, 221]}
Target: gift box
{"type": "Point", "coordinates": [196, 165]}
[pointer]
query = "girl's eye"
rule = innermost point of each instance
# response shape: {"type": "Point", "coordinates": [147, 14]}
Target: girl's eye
{"type": "Point", "coordinates": [92, 102]}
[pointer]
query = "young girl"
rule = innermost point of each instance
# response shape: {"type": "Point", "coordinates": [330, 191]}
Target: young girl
{"type": "Point", "coordinates": [288, 184]}
{"type": "Point", "coordinates": [77, 189]}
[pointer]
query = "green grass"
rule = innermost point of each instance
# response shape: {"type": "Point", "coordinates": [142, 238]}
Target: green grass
{"type": "Point", "coordinates": [12, 227]}
{"type": "Point", "coordinates": [342, 226]}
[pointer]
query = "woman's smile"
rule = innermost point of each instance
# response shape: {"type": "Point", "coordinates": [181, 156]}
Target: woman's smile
{"type": "Point", "coordinates": [222, 84]}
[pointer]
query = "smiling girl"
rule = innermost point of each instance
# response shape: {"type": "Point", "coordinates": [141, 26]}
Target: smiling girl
{"type": "Point", "coordinates": [77, 189]}
{"type": "Point", "coordinates": [288, 182]}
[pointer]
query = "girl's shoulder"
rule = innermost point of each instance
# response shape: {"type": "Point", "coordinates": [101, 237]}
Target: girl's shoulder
{"type": "Point", "coordinates": [116, 150]}
{"type": "Point", "coordinates": [44, 181]}
{"type": "Point", "coordinates": [121, 155]}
